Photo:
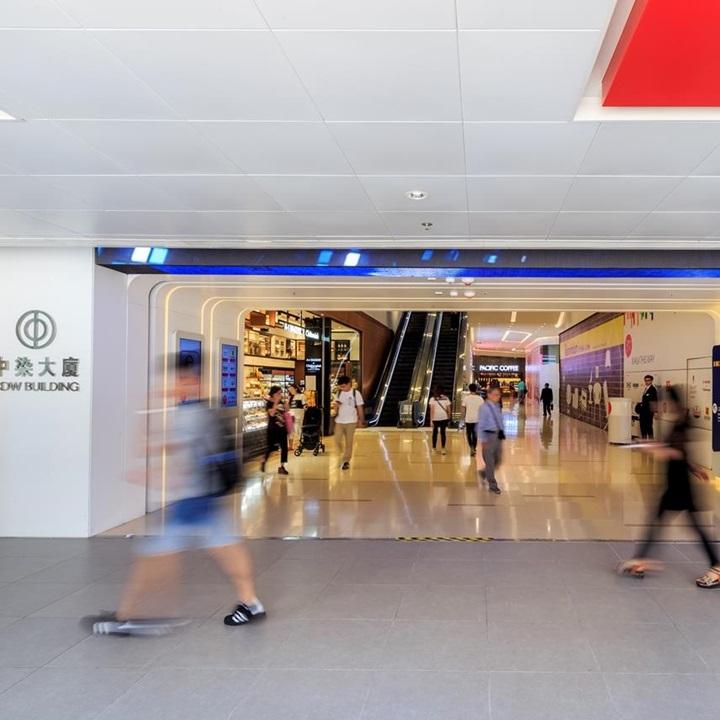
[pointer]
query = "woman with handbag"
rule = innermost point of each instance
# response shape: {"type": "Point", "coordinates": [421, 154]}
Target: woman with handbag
{"type": "Point", "coordinates": [440, 414]}
{"type": "Point", "coordinates": [277, 433]}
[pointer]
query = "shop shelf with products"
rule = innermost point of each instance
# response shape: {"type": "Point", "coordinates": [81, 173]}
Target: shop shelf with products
{"type": "Point", "coordinates": [254, 417]}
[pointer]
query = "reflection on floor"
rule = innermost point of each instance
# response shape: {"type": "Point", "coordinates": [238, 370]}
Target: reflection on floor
{"type": "Point", "coordinates": [560, 480]}
{"type": "Point", "coordinates": [367, 630]}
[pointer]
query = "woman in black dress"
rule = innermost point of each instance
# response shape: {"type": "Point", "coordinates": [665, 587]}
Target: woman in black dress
{"type": "Point", "coordinates": [678, 495]}
{"type": "Point", "coordinates": [276, 429]}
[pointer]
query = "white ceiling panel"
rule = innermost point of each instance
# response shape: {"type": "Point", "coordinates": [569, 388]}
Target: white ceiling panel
{"type": "Point", "coordinates": [378, 76]}
{"type": "Point", "coordinates": [166, 14]}
{"type": "Point", "coordinates": [534, 15]}
{"type": "Point", "coordinates": [34, 14]}
{"type": "Point", "coordinates": [176, 224]}
{"type": "Point", "coordinates": [22, 225]}
{"type": "Point", "coordinates": [525, 76]}
{"type": "Point", "coordinates": [225, 192]}
{"type": "Point", "coordinates": [316, 193]}
{"type": "Point", "coordinates": [711, 164]}
{"type": "Point", "coordinates": [18, 192]}
{"type": "Point", "coordinates": [618, 193]}
{"type": "Point", "coordinates": [68, 74]}
{"type": "Point", "coordinates": [342, 223]}
{"type": "Point", "coordinates": [402, 148]}
{"type": "Point", "coordinates": [517, 193]}
{"type": "Point", "coordinates": [671, 224]}
{"type": "Point", "coordinates": [595, 224]}
{"type": "Point", "coordinates": [530, 224]}
{"type": "Point", "coordinates": [115, 192]}
{"type": "Point", "coordinates": [366, 15]}
{"type": "Point", "coordinates": [278, 148]}
{"type": "Point", "coordinates": [43, 148]}
{"type": "Point", "coordinates": [215, 75]}
{"type": "Point", "coordinates": [694, 194]}
{"type": "Point", "coordinates": [444, 224]}
{"type": "Point", "coordinates": [650, 148]}
{"type": "Point", "coordinates": [153, 147]}
{"type": "Point", "coordinates": [443, 193]}
{"type": "Point", "coordinates": [527, 148]}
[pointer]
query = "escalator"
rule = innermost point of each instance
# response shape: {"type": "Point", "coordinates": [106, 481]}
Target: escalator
{"type": "Point", "coordinates": [446, 356]}
{"type": "Point", "coordinates": [398, 384]}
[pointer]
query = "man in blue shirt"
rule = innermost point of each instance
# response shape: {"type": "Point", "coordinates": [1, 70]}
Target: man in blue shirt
{"type": "Point", "coordinates": [491, 434]}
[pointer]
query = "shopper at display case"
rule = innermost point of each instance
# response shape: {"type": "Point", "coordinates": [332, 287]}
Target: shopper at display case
{"type": "Point", "coordinates": [277, 435]}
{"type": "Point", "coordinates": [349, 410]}
{"type": "Point", "coordinates": [298, 403]}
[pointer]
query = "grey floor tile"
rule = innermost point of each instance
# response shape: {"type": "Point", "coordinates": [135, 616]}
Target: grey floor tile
{"type": "Point", "coordinates": [385, 550]}
{"type": "Point", "coordinates": [320, 549]}
{"type": "Point", "coordinates": [376, 572]}
{"type": "Point", "coordinates": [520, 573]}
{"type": "Point", "coordinates": [182, 694]}
{"type": "Point", "coordinates": [50, 548]}
{"type": "Point", "coordinates": [449, 572]}
{"type": "Point", "coordinates": [688, 605]}
{"type": "Point", "coordinates": [664, 697]}
{"type": "Point", "coordinates": [541, 647]}
{"type": "Point", "coordinates": [81, 569]}
{"type": "Point", "coordinates": [88, 600]}
{"type": "Point", "coordinates": [334, 644]}
{"type": "Point", "coordinates": [642, 647]}
{"type": "Point", "coordinates": [513, 604]}
{"type": "Point", "coordinates": [304, 694]}
{"type": "Point", "coordinates": [299, 571]}
{"type": "Point", "coordinates": [593, 604]}
{"type": "Point", "coordinates": [285, 602]}
{"type": "Point", "coordinates": [422, 695]}
{"type": "Point", "coordinates": [695, 552]}
{"type": "Point", "coordinates": [443, 602]}
{"type": "Point", "coordinates": [16, 568]}
{"type": "Point", "coordinates": [674, 575]}
{"type": "Point", "coordinates": [214, 645]}
{"type": "Point", "coordinates": [598, 575]}
{"type": "Point", "coordinates": [446, 550]}
{"type": "Point", "coordinates": [705, 639]}
{"type": "Point", "coordinates": [371, 602]}
{"type": "Point", "coordinates": [525, 551]}
{"type": "Point", "coordinates": [5, 621]}
{"type": "Point", "coordinates": [65, 694]}
{"type": "Point", "coordinates": [10, 676]}
{"type": "Point", "coordinates": [113, 652]}
{"type": "Point", "coordinates": [550, 696]}
{"type": "Point", "coordinates": [20, 598]}
{"type": "Point", "coordinates": [437, 645]}
{"type": "Point", "coordinates": [33, 642]}
{"type": "Point", "coordinates": [667, 552]}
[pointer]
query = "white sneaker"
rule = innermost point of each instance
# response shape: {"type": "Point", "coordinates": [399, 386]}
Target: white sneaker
{"type": "Point", "coordinates": [442, 452]}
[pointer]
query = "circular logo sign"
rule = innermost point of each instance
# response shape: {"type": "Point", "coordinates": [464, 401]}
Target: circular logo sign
{"type": "Point", "coordinates": [35, 329]}
{"type": "Point", "coordinates": [628, 345]}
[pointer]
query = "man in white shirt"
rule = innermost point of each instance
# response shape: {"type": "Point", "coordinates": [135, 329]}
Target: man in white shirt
{"type": "Point", "coordinates": [350, 413]}
{"type": "Point", "coordinates": [470, 409]}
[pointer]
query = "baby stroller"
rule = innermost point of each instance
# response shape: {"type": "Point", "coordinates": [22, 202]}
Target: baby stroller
{"type": "Point", "coordinates": [311, 438]}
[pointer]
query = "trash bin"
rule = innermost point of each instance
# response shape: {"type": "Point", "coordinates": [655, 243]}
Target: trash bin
{"type": "Point", "coordinates": [619, 421]}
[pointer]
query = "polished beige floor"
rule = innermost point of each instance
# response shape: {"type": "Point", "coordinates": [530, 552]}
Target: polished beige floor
{"type": "Point", "coordinates": [560, 481]}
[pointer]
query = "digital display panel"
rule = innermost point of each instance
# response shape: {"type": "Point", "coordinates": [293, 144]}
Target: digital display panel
{"type": "Point", "coordinates": [228, 375]}
{"type": "Point", "coordinates": [189, 369]}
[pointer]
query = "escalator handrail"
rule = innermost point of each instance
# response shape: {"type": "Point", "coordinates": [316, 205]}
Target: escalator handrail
{"type": "Point", "coordinates": [462, 349]}
{"type": "Point", "coordinates": [389, 369]}
{"type": "Point", "coordinates": [421, 404]}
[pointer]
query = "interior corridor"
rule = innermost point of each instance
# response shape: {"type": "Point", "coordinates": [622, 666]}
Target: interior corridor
{"type": "Point", "coordinates": [560, 481]}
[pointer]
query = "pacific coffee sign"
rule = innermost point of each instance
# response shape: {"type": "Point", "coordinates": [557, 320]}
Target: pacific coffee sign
{"type": "Point", "coordinates": [34, 370]}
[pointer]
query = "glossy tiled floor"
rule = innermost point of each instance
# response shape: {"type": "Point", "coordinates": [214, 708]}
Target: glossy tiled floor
{"type": "Point", "coordinates": [367, 630]}
{"type": "Point", "coordinates": [561, 480]}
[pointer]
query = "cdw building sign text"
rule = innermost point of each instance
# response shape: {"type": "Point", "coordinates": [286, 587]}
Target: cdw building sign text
{"type": "Point", "coordinates": [35, 369]}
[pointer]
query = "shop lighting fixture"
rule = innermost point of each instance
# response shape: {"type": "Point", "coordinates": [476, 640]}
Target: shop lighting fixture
{"type": "Point", "coordinates": [352, 259]}
{"type": "Point", "coordinates": [469, 293]}
{"type": "Point", "coordinates": [513, 316]}
{"type": "Point", "coordinates": [454, 293]}
{"type": "Point", "coordinates": [140, 254]}
{"type": "Point", "coordinates": [560, 320]}
{"type": "Point", "coordinates": [467, 281]}
{"type": "Point", "coordinates": [416, 195]}
{"type": "Point", "coordinates": [449, 280]}
{"type": "Point", "coordinates": [438, 292]}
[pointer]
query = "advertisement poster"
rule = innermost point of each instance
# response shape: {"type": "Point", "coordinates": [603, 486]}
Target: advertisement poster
{"type": "Point", "coordinates": [190, 369]}
{"type": "Point", "coordinates": [716, 398]}
{"type": "Point", "coordinates": [591, 371]}
{"type": "Point", "coordinates": [228, 375]}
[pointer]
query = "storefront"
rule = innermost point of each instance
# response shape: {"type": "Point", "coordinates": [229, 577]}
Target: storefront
{"type": "Point", "coordinates": [282, 347]}
{"type": "Point", "coordinates": [505, 372]}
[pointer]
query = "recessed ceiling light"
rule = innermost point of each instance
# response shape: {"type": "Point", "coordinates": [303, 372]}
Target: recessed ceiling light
{"type": "Point", "coordinates": [453, 293]}
{"type": "Point", "coordinates": [431, 279]}
{"type": "Point", "coordinates": [416, 195]}
{"type": "Point", "coordinates": [469, 293]}
{"type": "Point", "coordinates": [438, 292]}
{"type": "Point", "coordinates": [467, 281]}
{"type": "Point", "coordinates": [513, 316]}
{"type": "Point", "coordinates": [449, 280]}
{"type": "Point", "coordinates": [426, 225]}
